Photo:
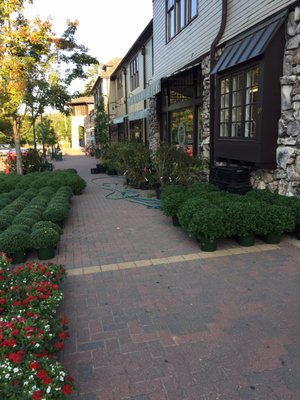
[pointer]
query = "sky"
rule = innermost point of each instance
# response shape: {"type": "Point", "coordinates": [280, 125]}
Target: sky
{"type": "Point", "coordinates": [107, 27]}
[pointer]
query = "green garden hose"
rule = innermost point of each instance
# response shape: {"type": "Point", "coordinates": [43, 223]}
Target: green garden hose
{"type": "Point", "coordinates": [131, 195]}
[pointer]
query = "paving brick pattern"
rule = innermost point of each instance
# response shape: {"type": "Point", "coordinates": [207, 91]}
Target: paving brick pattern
{"type": "Point", "coordinates": [191, 327]}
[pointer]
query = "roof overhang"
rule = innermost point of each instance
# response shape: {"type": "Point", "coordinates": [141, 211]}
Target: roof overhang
{"type": "Point", "coordinates": [249, 45]}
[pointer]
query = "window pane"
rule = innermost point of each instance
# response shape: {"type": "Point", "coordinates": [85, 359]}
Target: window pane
{"type": "Point", "coordinates": [237, 82]}
{"type": "Point", "coordinates": [224, 130]}
{"type": "Point", "coordinates": [182, 14]}
{"type": "Point", "coordinates": [171, 23]}
{"type": "Point", "coordinates": [224, 86]}
{"type": "Point", "coordinates": [182, 127]}
{"type": "Point", "coordinates": [194, 8]}
{"type": "Point", "coordinates": [251, 106]}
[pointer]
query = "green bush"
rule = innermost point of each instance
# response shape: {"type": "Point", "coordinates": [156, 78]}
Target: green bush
{"type": "Point", "coordinates": [19, 219]}
{"type": "Point", "coordinates": [43, 238]}
{"type": "Point", "coordinates": [210, 223]}
{"type": "Point", "coordinates": [174, 166]}
{"type": "Point", "coordinates": [5, 221]}
{"type": "Point", "coordinates": [47, 224]}
{"type": "Point", "coordinates": [170, 204]}
{"type": "Point", "coordinates": [19, 227]}
{"type": "Point", "coordinates": [12, 241]}
{"type": "Point", "coordinates": [171, 189]}
{"type": "Point", "coordinates": [188, 208]}
{"type": "Point", "coordinates": [244, 216]}
{"type": "Point", "coordinates": [55, 213]}
{"type": "Point", "coordinates": [275, 219]}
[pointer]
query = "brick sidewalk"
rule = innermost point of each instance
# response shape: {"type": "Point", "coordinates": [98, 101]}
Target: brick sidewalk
{"type": "Point", "coordinates": [154, 318]}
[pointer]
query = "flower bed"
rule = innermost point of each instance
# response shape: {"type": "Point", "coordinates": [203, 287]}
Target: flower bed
{"type": "Point", "coordinates": [31, 332]}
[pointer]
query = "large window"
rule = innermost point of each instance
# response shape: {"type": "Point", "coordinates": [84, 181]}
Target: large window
{"type": "Point", "coordinates": [239, 104]}
{"type": "Point", "coordinates": [179, 14]}
{"type": "Point", "coordinates": [134, 73]}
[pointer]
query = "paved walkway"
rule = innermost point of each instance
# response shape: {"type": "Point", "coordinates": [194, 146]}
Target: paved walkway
{"type": "Point", "coordinates": [154, 318]}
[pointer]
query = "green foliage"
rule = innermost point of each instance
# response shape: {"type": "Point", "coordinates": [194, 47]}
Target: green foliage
{"type": "Point", "coordinates": [173, 165]}
{"type": "Point", "coordinates": [14, 240]}
{"type": "Point", "coordinates": [101, 124]}
{"type": "Point", "coordinates": [47, 224]}
{"type": "Point", "coordinates": [5, 220]}
{"type": "Point", "coordinates": [171, 189]}
{"type": "Point", "coordinates": [188, 208]}
{"type": "Point", "coordinates": [32, 161]}
{"type": "Point", "coordinates": [210, 223]}
{"type": "Point", "coordinates": [244, 216]}
{"type": "Point", "coordinates": [19, 219]}
{"type": "Point", "coordinates": [19, 227]}
{"type": "Point", "coordinates": [44, 237]}
{"type": "Point", "coordinates": [115, 158]}
{"type": "Point", "coordinates": [275, 219]}
{"type": "Point", "coordinates": [170, 204]}
{"type": "Point", "coordinates": [55, 213]}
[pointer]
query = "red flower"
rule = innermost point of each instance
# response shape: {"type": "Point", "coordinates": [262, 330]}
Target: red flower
{"type": "Point", "coordinates": [42, 374]}
{"type": "Point", "coordinates": [34, 365]}
{"type": "Point", "coordinates": [67, 389]}
{"type": "Point", "coordinates": [15, 332]}
{"type": "Point", "coordinates": [47, 380]}
{"type": "Point", "coordinates": [16, 357]}
{"type": "Point", "coordinates": [9, 342]}
{"type": "Point", "coordinates": [64, 320]}
{"type": "Point", "coordinates": [59, 345]}
{"type": "Point", "coordinates": [3, 300]}
{"type": "Point", "coordinates": [63, 335]}
{"type": "Point", "coordinates": [37, 395]}
{"type": "Point", "coordinates": [17, 303]}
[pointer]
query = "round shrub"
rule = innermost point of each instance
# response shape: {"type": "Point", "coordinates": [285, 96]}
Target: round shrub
{"type": "Point", "coordinates": [12, 241]}
{"type": "Point", "coordinates": [189, 207]}
{"type": "Point", "coordinates": [55, 213]}
{"type": "Point", "coordinates": [43, 238]}
{"type": "Point", "coordinates": [170, 204]}
{"type": "Point", "coordinates": [19, 219]}
{"type": "Point", "coordinates": [5, 221]}
{"type": "Point", "coordinates": [47, 224]}
{"type": "Point", "coordinates": [19, 227]}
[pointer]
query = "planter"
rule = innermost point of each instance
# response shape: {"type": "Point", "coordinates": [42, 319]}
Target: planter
{"type": "Point", "coordinates": [18, 257]}
{"type": "Point", "coordinates": [46, 253]}
{"type": "Point", "coordinates": [272, 238]}
{"type": "Point", "coordinates": [246, 240]}
{"type": "Point", "coordinates": [175, 220]}
{"type": "Point", "coordinates": [207, 244]}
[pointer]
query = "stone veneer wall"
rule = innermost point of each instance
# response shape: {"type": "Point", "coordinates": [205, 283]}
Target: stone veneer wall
{"type": "Point", "coordinates": [286, 178]}
{"type": "Point", "coordinates": [154, 125]}
{"type": "Point", "coordinates": [204, 140]}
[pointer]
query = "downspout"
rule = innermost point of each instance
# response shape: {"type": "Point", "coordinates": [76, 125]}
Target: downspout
{"type": "Point", "coordinates": [212, 82]}
{"type": "Point", "coordinates": [144, 87]}
{"type": "Point", "coordinates": [125, 102]}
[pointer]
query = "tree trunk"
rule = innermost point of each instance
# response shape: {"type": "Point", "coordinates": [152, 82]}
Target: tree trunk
{"type": "Point", "coordinates": [16, 133]}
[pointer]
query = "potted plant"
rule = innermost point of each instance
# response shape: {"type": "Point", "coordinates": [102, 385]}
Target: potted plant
{"type": "Point", "coordinates": [44, 240]}
{"type": "Point", "coordinates": [47, 224]}
{"type": "Point", "coordinates": [208, 225]}
{"type": "Point", "coordinates": [15, 242]}
{"type": "Point", "coordinates": [170, 205]}
{"type": "Point", "coordinates": [55, 213]}
{"type": "Point", "coordinates": [274, 221]}
{"type": "Point", "coordinates": [244, 216]}
{"type": "Point", "coordinates": [188, 208]}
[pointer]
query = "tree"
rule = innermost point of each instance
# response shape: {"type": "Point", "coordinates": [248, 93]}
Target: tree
{"type": "Point", "coordinates": [101, 124]}
{"type": "Point", "coordinates": [31, 61]}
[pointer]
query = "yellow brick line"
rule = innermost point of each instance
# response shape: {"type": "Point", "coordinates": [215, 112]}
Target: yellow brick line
{"type": "Point", "coordinates": [168, 260]}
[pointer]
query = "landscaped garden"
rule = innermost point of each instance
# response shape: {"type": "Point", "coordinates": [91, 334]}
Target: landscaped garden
{"type": "Point", "coordinates": [209, 214]}
{"type": "Point", "coordinates": [31, 332]}
{"type": "Point", "coordinates": [33, 208]}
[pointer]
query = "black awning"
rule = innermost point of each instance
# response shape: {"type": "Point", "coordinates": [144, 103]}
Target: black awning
{"type": "Point", "coordinates": [249, 45]}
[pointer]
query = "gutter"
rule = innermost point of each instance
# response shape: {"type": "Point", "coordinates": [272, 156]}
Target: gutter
{"type": "Point", "coordinates": [212, 82]}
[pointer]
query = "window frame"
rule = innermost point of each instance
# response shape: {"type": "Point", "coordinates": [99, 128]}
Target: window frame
{"type": "Point", "coordinates": [175, 22]}
{"type": "Point", "coordinates": [230, 74]}
{"type": "Point", "coordinates": [134, 73]}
